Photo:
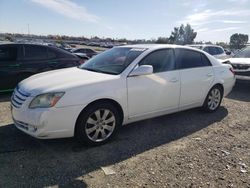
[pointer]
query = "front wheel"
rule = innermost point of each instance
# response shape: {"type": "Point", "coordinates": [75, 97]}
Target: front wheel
{"type": "Point", "coordinates": [213, 99]}
{"type": "Point", "coordinates": [97, 124]}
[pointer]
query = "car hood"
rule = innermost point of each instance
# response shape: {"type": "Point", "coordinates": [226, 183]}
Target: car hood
{"type": "Point", "coordinates": [243, 61]}
{"type": "Point", "coordinates": [62, 80]}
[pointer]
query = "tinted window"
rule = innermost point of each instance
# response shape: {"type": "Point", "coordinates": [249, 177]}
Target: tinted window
{"type": "Point", "coordinates": [89, 51]}
{"type": "Point", "coordinates": [51, 54]}
{"type": "Point", "coordinates": [219, 50]}
{"type": "Point", "coordinates": [35, 52]}
{"type": "Point", "coordinates": [161, 60]}
{"type": "Point", "coordinates": [190, 59]}
{"type": "Point", "coordinates": [8, 53]}
{"type": "Point", "coordinates": [205, 60]}
{"type": "Point", "coordinates": [81, 51]}
{"type": "Point", "coordinates": [60, 53]}
{"type": "Point", "coordinates": [212, 50]}
{"type": "Point", "coordinates": [206, 49]}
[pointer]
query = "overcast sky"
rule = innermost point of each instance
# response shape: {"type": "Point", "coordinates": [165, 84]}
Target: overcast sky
{"type": "Point", "coordinates": [133, 19]}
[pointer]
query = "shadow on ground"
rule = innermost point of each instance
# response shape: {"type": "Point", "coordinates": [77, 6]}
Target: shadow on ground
{"type": "Point", "coordinates": [241, 91]}
{"type": "Point", "coordinates": [5, 97]}
{"type": "Point", "coordinates": [28, 162]}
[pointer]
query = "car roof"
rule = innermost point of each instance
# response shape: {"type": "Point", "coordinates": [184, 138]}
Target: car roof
{"type": "Point", "coordinates": [152, 47]}
{"type": "Point", "coordinates": [205, 45]}
{"type": "Point", "coordinates": [158, 46]}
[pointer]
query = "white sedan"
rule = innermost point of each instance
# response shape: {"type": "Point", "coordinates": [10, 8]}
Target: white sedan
{"type": "Point", "coordinates": [241, 64]}
{"type": "Point", "coordinates": [122, 85]}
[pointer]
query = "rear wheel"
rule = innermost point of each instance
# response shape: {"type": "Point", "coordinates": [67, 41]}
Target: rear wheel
{"type": "Point", "coordinates": [97, 124]}
{"type": "Point", "coordinates": [213, 99]}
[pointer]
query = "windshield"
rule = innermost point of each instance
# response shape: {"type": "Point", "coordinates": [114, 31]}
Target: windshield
{"type": "Point", "coordinates": [245, 53]}
{"type": "Point", "coordinates": [113, 61]}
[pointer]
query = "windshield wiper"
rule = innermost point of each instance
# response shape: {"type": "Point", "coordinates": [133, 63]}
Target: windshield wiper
{"type": "Point", "coordinates": [99, 71]}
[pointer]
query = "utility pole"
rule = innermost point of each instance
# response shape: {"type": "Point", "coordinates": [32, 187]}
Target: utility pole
{"type": "Point", "coordinates": [28, 29]}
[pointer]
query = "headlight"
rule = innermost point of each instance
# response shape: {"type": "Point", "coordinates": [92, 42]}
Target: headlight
{"type": "Point", "coordinates": [46, 100]}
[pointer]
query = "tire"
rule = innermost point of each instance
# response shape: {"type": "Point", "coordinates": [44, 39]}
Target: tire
{"type": "Point", "coordinates": [213, 99]}
{"type": "Point", "coordinates": [97, 124]}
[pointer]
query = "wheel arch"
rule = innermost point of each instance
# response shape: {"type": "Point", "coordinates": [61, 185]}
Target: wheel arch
{"type": "Point", "coordinates": [214, 85]}
{"type": "Point", "coordinates": [112, 101]}
{"type": "Point", "coordinates": [219, 85]}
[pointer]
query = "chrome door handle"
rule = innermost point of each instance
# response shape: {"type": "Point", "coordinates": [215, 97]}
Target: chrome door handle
{"type": "Point", "coordinates": [174, 80]}
{"type": "Point", "coordinates": [209, 74]}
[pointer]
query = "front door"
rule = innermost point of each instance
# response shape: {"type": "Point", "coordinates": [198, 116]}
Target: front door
{"type": "Point", "coordinates": [157, 92]}
{"type": "Point", "coordinates": [9, 67]}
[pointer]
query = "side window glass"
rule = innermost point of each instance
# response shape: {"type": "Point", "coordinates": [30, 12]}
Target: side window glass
{"type": "Point", "coordinates": [206, 49]}
{"type": "Point", "coordinates": [51, 54]}
{"type": "Point", "coordinates": [35, 52]}
{"type": "Point", "coordinates": [8, 53]}
{"type": "Point", "coordinates": [205, 60]}
{"type": "Point", "coordinates": [190, 59]}
{"type": "Point", "coordinates": [212, 50]}
{"type": "Point", "coordinates": [161, 60]}
{"type": "Point", "coordinates": [220, 51]}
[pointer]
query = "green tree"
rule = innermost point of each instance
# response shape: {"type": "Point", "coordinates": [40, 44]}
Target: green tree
{"type": "Point", "coordinates": [162, 40]}
{"type": "Point", "coordinates": [8, 37]}
{"type": "Point", "coordinates": [238, 40]}
{"type": "Point", "coordinates": [182, 35]}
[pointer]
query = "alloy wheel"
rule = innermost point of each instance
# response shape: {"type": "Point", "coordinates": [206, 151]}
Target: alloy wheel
{"type": "Point", "coordinates": [214, 99]}
{"type": "Point", "coordinates": [100, 125]}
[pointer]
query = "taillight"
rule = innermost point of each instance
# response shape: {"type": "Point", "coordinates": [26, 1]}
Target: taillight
{"type": "Point", "coordinates": [232, 70]}
{"type": "Point", "coordinates": [82, 61]}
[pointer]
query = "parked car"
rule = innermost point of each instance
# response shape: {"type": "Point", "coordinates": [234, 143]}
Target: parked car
{"type": "Point", "coordinates": [214, 50]}
{"type": "Point", "coordinates": [19, 61]}
{"type": "Point", "coordinates": [82, 56]}
{"type": "Point", "coordinates": [89, 52]}
{"type": "Point", "coordinates": [119, 86]}
{"type": "Point", "coordinates": [241, 64]}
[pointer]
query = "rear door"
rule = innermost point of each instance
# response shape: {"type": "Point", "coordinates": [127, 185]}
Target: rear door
{"type": "Point", "coordinates": [9, 67]}
{"type": "Point", "coordinates": [196, 74]}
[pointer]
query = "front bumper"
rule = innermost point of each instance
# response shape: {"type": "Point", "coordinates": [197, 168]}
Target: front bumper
{"type": "Point", "coordinates": [242, 75]}
{"type": "Point", "coordinates": [46, 123]}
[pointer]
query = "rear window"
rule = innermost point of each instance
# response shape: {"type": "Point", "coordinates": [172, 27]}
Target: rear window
{"type": "Point", "coordinates": [8, 53]}
{"type": "Point", "coordinates": [63, 53]}
{"type": "Point", "coordinates": [212, 50]}
{"type": "Point", "coordinates": [219, 50]}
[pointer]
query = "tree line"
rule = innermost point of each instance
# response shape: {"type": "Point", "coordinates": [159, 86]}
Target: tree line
{"type": "Point", "coordinates": [185, 35]}
{"type": "Point", "coordinates": [182, 35]}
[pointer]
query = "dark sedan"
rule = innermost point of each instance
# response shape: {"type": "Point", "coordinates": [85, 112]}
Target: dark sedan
{"type": "Point", "coordinates": [89, 52]}
{"type": "Point", "coordinates": [19, 61]}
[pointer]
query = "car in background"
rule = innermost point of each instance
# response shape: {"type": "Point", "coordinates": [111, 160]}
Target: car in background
{"type": "Point", "coordinates": [241, 64]}
{"type": "Point", "coordinates": [19, 61]}
{"type": "Point", "coordinates": [89, 52]}
{"type": "Point", "coordinates": [82, 56]}
{"type": "Point", "coordinates": [119, 86]}
{"type": "Point", "coordinates": [214, 50]}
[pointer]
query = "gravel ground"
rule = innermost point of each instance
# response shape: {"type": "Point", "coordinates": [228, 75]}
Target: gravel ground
{"type": "Point", "coordinates": [186, 149]}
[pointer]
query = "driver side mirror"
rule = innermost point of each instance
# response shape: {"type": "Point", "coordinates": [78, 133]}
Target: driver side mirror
{"type": "Point", "coordinates": [142, 70]}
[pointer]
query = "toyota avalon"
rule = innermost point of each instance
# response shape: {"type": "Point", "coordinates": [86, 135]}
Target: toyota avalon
{"type": "Point", "coordinates": [119, 86]}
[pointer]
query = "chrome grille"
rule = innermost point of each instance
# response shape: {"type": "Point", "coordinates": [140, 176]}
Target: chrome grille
{"type": "Point", "coordinates": [18, 97]}
{"type": "Point", "coordinates": [240, 67]}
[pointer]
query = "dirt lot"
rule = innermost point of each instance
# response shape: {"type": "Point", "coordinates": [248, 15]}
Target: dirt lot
{"type": "Point", "coordinates": [187, 149]}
